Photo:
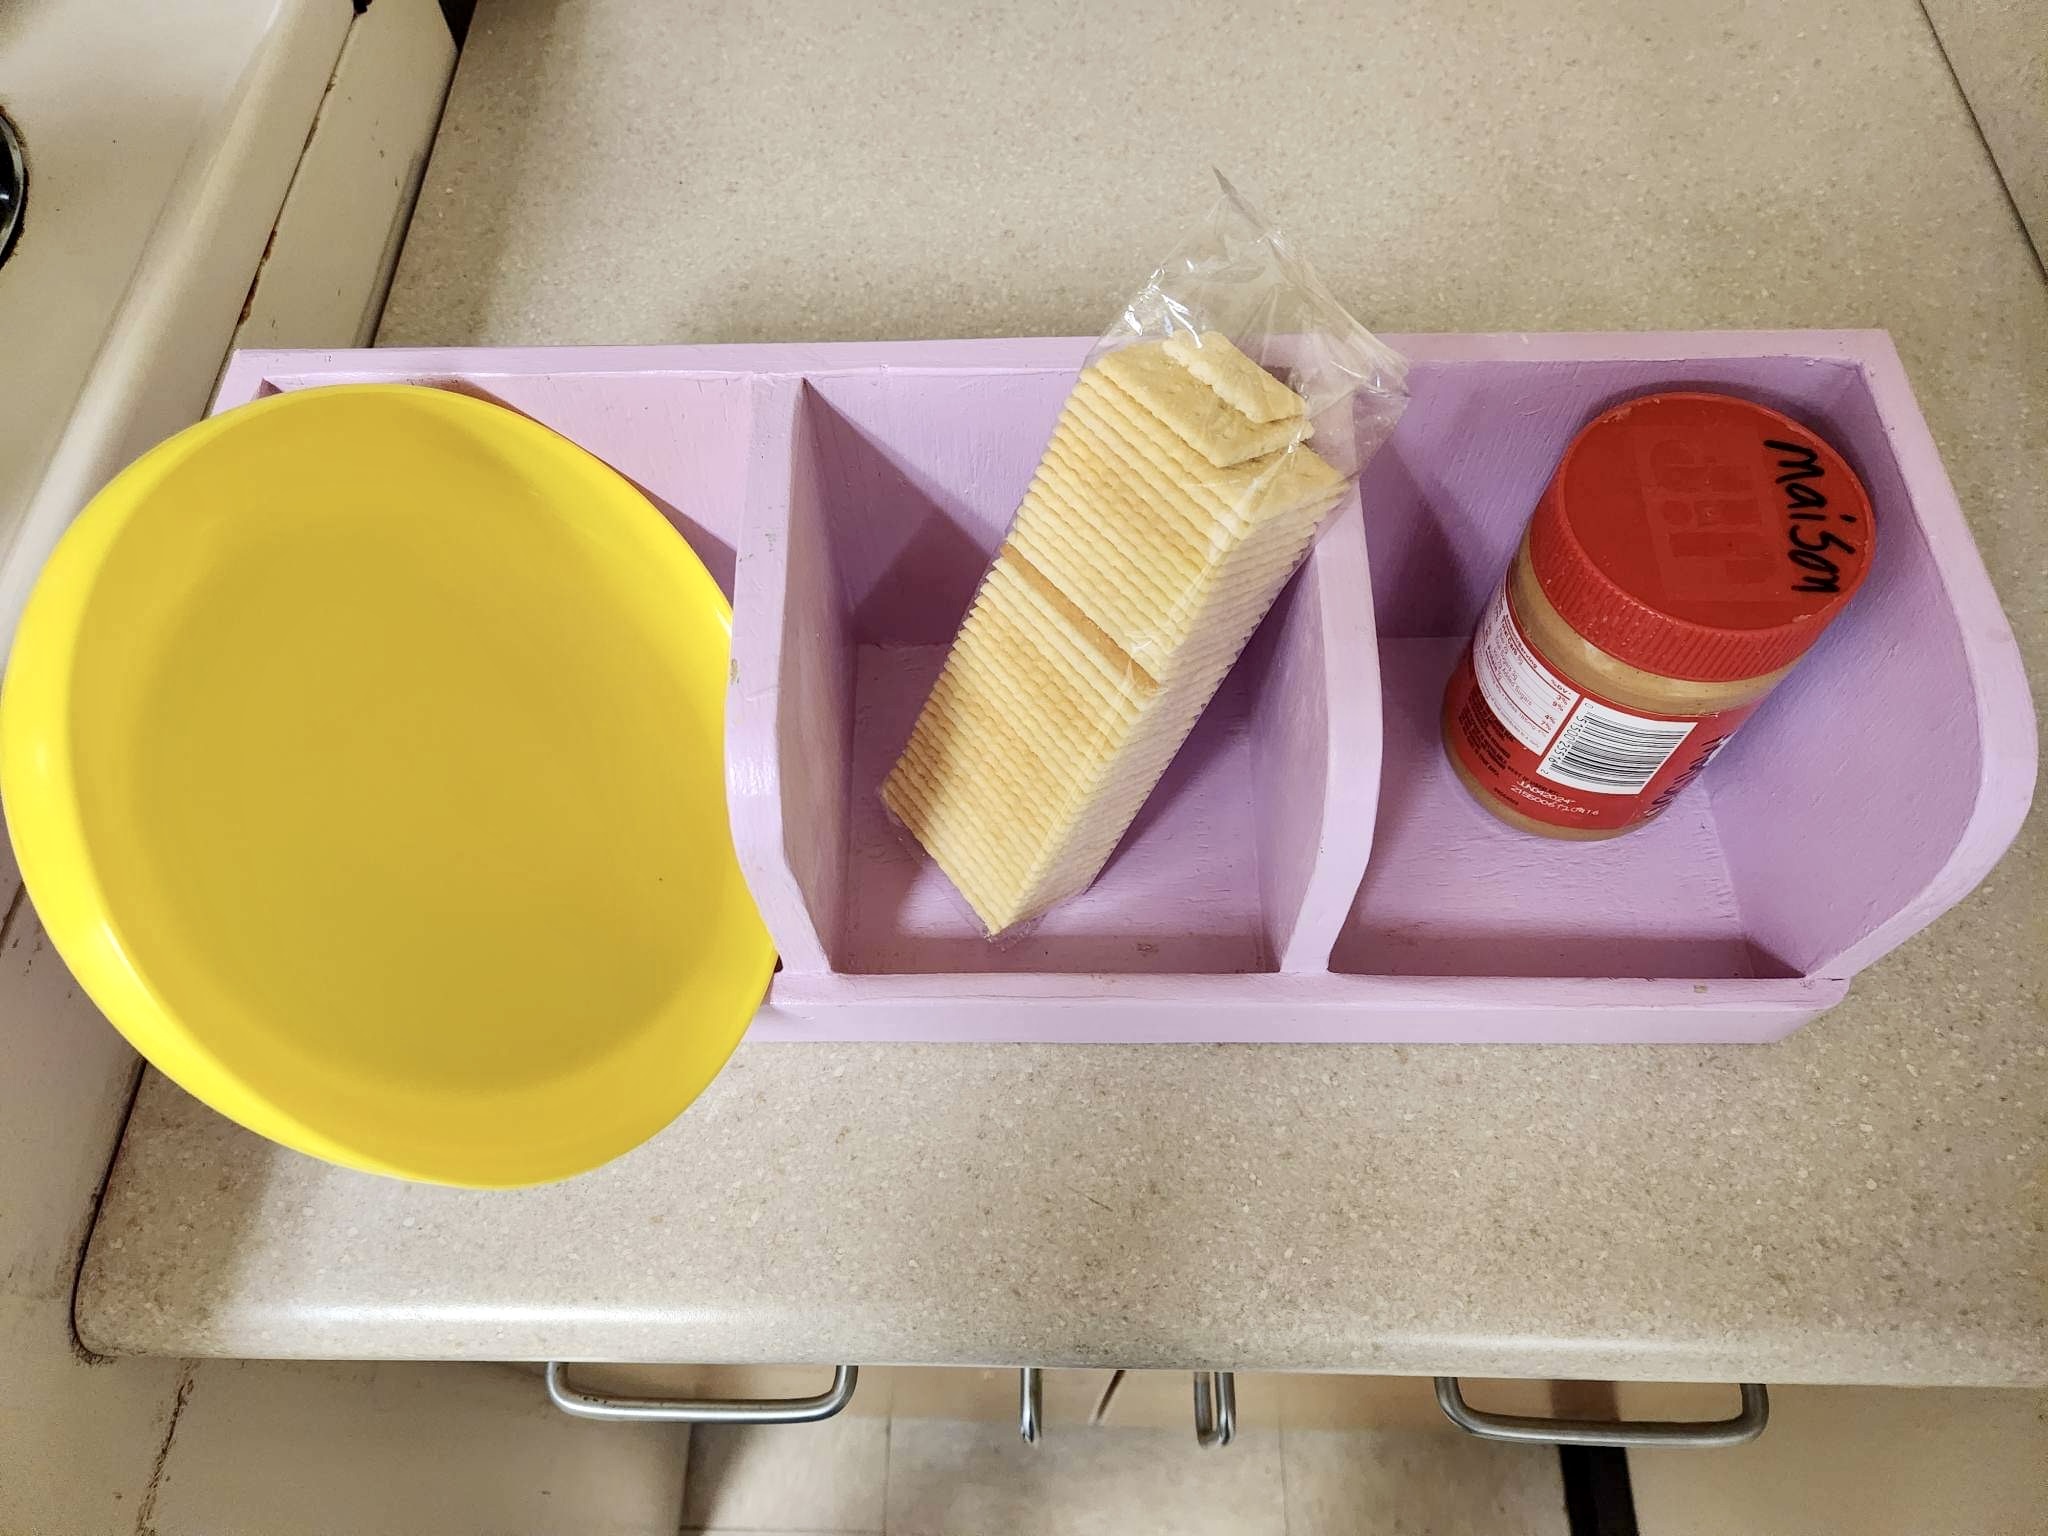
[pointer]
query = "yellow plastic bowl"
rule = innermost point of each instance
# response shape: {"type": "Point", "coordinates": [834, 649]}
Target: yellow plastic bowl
{"type": "Point", "coordinates": [362, 750]}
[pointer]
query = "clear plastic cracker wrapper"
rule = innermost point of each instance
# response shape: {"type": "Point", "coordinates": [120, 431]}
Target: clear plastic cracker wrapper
{"type": "Point", "coordinates": [1214, 428]}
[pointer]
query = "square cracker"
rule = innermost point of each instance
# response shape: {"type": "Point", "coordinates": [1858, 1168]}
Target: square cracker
{"type": "Point", "coordinates": [1128, 616]}
{"type": "Point", "coordinates": [1115, 514]}
{"type": "Point", "coordinates": [1135, 578]}
{"type": "Point", "coordinates": [1200, 417]}
{"type": "Point", "coordinates": [1069, 632]}
{"type": "Point", "coordinates": [1212, 359]}
{"type": "Point", "coordinates": [1237, 494]}
{"type": "Point", "coordinates": [1088, 447]}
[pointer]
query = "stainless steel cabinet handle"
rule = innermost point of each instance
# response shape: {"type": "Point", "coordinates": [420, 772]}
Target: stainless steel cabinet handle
{"type": "Point", "coordinates": [1215, 1408]}
{"type": "Point", "coordinates": [705, 1410]}
{"type": "Point", "coordinates": [1662, 1434]}
{"type": "Point", "coordinates": [1030, 1404]}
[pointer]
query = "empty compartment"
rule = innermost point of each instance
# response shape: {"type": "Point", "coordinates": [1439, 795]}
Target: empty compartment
{"type": "Point", "coordinates": [1821, 836]}
{"type": "Point", "coordinates": [881, 495]}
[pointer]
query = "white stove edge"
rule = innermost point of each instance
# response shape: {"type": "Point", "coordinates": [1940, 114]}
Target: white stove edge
{"type": "Point", "coordinates": [281, 229]}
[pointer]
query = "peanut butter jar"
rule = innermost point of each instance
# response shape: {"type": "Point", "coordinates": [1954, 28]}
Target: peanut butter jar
{"type": "Point", "coordinates": [1687, 552]}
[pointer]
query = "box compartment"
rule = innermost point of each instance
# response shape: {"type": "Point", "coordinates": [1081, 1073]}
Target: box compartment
{"type": "Point", "coordinates": [1819, 836]}
{"type": "Point", "coordinates": [880, 495]}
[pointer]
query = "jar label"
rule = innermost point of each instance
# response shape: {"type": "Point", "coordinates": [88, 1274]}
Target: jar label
{"type": "Point", "coordinates": [1558, 754]}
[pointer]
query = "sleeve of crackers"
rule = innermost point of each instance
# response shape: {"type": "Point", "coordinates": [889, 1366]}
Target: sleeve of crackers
{"type": "Point", "coordinates": [1211, 432]}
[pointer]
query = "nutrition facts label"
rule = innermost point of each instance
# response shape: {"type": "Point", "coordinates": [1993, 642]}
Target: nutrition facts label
{"type": "Point", "coordinates": [1531, 700]}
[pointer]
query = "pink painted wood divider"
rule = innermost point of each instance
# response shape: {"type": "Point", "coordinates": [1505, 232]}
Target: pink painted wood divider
{"type": "Point", "coordinates": [1309, 869]}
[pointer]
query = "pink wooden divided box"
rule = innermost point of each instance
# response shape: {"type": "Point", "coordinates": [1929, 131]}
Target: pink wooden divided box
{"type": "Point", "coordinates": [1309, 870]}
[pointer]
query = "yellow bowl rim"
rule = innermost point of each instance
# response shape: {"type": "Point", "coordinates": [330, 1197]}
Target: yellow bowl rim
{"type": "Point", "coordinates": [52, 848]}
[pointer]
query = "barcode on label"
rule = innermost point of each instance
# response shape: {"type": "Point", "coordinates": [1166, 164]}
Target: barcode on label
{"type": "Point", "coordinates": [1608, 752]}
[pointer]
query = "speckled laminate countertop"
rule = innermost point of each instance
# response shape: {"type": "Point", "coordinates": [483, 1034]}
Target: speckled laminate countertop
{"type": "Point", "coordinates": [1864, 1202]}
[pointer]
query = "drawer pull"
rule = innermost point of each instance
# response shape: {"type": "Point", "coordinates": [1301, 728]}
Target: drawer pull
{"type": "Point", "coordinates": [1215, 1408]}
{"type": "Point", "coordinates": [704, 1410]}
{"type": "Point", "coordinates": [1030, 1404]}
{"type": "Point", "coordinates": [1706, 1434]}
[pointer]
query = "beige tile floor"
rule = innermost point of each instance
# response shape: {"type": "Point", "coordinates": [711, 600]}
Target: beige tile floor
{"type": "Point", "coordinates": [1860, 1462]}
{"type": "Point", "coordinates": [942, 1477]}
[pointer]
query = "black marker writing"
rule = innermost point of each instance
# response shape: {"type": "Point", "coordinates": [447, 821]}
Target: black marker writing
{"type": "Point", "coordinates": [1804, 503]}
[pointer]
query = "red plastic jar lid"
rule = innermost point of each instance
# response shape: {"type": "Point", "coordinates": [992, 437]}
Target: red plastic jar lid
{"type": "Point", "coordinates": [1700, 536]}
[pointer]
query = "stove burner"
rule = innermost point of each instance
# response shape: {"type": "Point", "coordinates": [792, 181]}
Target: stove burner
{"type": "Point", "coordinates": [13, 186]}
